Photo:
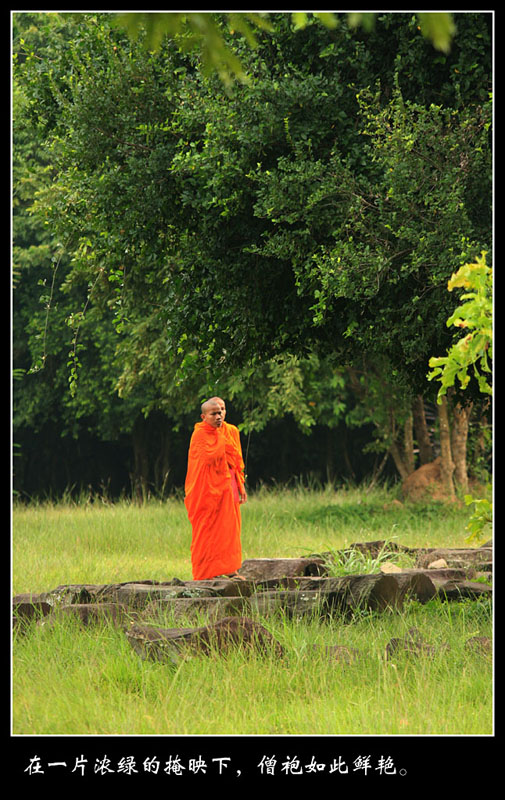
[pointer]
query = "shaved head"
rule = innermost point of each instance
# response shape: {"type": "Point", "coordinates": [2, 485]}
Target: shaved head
{"type": "Point", "coordinates": [221, 404]}
{"type": "Point", "coordinates": [212, 413]}
{"type": "Point", "coordinates": [207, 405]}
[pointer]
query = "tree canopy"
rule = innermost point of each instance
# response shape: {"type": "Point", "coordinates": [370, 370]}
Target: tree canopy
{"type": "Point", "coordinates": [195, 235]}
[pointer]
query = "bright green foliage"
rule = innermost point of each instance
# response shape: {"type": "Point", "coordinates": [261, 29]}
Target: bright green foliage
{"type": "Point", "coordinates": [192, 29]}
{"type": "Point", "coordinates": [200, 29]}
{"type": "Point", "coordinates": [439, 27]}
{"type": "Point", "coordinates": [472, 351]}
{"type": "Point", "coordinates": [480, 525]}
{"type": "Point", "coordinates": [475, 350]}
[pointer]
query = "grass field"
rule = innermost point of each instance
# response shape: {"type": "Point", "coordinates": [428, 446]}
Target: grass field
{"type": "Point", "coordinates": [94, 683]}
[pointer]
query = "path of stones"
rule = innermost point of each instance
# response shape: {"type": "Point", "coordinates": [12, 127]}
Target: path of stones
{"type": "Point", "coordinates": [295, 587]}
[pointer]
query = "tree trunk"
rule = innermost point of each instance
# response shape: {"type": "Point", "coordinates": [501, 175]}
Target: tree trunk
{"type": "Point", "coordinates": [397, 457]}
{"type": "Point", "coordinates": [345, 453]}
{"type": "Point", "coordinates": [330, 458]}
{"type": "Point", "coordinates": [160, 444]}
{"type": "Point", "coordinates": [461, 418]}
{"type": "Point", "coordinates": [140, 477]}
{"type": "Point", "coordinates": [408, 438]}
{"type": "Point", "coordinates": [402, 453]}
{"type": "Point", "coordinates": [396, 451]}
{"type": "Point", "coordinates": [421, 429]}
{"type": "Point", "coordinates": [482, 429]}
{"type": "Point", "coordinates": [377, 471]}
{"type": "Point", "coordinates": [447, 464]}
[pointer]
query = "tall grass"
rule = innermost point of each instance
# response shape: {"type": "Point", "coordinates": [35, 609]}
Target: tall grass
{"type": "Point", "coordinates": [94, 683]}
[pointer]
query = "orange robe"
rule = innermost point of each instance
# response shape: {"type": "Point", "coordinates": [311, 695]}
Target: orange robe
{"type": "Point", "coordinates": [236, 464]}
{"type": "Point", "coordinates": [212, 509]}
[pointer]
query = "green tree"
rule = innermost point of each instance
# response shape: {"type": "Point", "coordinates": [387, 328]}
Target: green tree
{"type": "Point", "coordinates": [475, 349]}
{"type": "Point", "coordinates": [191, 183]}
{"type": "Point", "coordinates": [60, 334]}
{"type": "Point", "coordinates": [205, 226]}
{"type": "Point", "coordinates": [202, 29]}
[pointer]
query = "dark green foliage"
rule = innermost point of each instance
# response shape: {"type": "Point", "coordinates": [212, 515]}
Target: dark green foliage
{"type": "Point", "coordinates": [200, 231]}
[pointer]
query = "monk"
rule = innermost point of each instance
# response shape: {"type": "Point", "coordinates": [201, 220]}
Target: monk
{"type": "Point", "coordinates": [212, 506]}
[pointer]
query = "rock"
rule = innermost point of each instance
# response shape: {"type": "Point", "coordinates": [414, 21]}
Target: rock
{"type": "Point", "coordinates": [438, 576]}
{"type": "Point", "coordinates": [220, 587]}
{"type": "Point", "coordinates": [139, 595]}
{"type": "Point", "coordinates": [377, 548]}
{"type": "Point", "coordinates": [162, 644]}
{"type": "Point", "coordinates": [440, 563]}
{"type": "Point", "coordinates": [188, 608]}
{"type": "Point", "coordinates": [376, 591]}
{"type": "Point", "coordinates": [347, 594]}
{"type": "Point", "coordinates": [481, 645]}
{"type": "Point", "coordinates": [415, 581]}
{"type": "Point", "coordinates": [487, 577]}
{"type": "Point", "coordinates": [387, 567]}
{"type": "Point", "coordinates": [280, 583]}
{"type": "Point", "coordinates": [412, 644]}
{"type": "Point", "coordinates": [26, 607]}
{"type": "Point", "coordinates": [90, 614]}
{"type": "Point", "coordinates": [294, 603]}
{"type": "Point", "coordinates": [415, 584]}
{"type": "Point", "coordinates": [69, 594]}
{"type": "Point", "coordinates": [456, 590]}
{"type": "Point", "coordinates": [380, 592]}
{"type": "Point", "coordinates": [458, 557]}
{"type": "Point", "coordinates": [294, 586]}
{"type": "Point", "coordinates": [267, 568]}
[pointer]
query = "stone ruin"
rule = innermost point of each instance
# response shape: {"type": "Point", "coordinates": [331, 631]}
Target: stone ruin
{"type": "Point", "coordinates": [294, 587]}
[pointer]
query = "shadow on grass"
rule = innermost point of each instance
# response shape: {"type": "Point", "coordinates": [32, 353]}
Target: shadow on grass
{"type": "Point", "coordinates": [373, 512]}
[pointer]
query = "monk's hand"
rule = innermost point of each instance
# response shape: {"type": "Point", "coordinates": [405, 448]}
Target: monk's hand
{"type": "Point", "coordinates": [242, 496]}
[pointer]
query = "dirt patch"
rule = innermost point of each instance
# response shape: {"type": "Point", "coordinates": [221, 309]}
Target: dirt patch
{"type": "Point", "coordinates": [425, 484]}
